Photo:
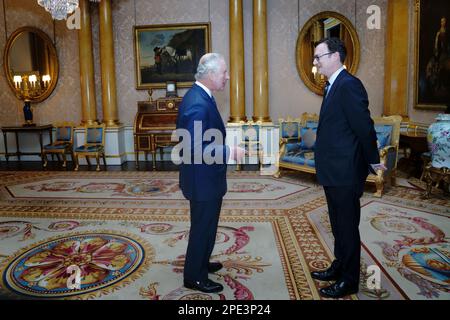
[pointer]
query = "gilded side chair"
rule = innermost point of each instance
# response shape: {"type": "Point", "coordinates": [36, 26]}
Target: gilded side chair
{"type": "Point", "coordinates": [62, 145]}
{"type": "Point", "coordinates": [94, 145]}
{"type": "Point", "coordinates": [388, 139]}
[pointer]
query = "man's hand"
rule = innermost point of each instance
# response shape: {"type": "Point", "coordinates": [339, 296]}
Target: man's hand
{"type": "Point", "coordinates": [378, 166]}
{"type": "Point", "coordinates": [237, 153]}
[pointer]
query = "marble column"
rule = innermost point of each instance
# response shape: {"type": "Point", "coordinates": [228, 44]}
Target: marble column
{"type": "Point", "coordinates": [237, 73]}
{"type": "Point", "coordinates": [260, 62]}
{"type": "Point", "coordinates": [86, 60]}
{"type": "Point", "coordinates": [109, 97]}
{"type": "Point", "coordinates": [396, 65]}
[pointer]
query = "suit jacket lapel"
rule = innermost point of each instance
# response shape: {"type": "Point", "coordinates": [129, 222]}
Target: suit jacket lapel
{"type": "Point", "coordinates": [336, 84]}
{"type": "Point", "coordinates": [327, 100]}
{"type": "Point", "coordinates": [213, 107]}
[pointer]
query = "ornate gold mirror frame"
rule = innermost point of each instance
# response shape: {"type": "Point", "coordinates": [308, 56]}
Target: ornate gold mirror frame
{"type": "Point", "coordinates": [31, 64]}
{"type": "Point", "coordinates": [324, 24]}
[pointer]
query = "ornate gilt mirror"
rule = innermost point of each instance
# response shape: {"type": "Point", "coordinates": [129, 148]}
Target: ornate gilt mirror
{"type": "Point", "coordinates": [31, 64]}
{"type": "Point", "coordinates": [323, 25]}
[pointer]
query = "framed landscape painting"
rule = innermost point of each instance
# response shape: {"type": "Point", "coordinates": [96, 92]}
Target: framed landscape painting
{"type": "Point", "coordinates": [169, 53]}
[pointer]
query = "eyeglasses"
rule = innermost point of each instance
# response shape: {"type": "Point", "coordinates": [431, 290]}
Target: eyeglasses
{"type": "Point", "coordinates": [316, 57]}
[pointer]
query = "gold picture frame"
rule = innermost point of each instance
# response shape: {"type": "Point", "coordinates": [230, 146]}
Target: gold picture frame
{"type": "Point", "coordinates": [432, 60]}
{"type": "Point", "coordinates": [169, 53]}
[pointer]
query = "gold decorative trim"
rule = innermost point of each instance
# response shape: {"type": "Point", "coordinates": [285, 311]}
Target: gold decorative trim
{"type": "Point", "coordinates": [418, 106]}
{"type": "Point", "coordinates": [318, 89]}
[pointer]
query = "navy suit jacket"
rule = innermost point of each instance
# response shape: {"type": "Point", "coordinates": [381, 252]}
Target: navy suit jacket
{"type": "Point", "coordinates": [346, 140]}
{"type": "Point", "coordinates": [202, 181]}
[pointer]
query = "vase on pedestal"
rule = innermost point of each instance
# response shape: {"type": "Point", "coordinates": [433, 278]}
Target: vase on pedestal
{"type": "Point", "coordinates": [28, 114]}
{"type": "Point", "coordinates": [438, 138]}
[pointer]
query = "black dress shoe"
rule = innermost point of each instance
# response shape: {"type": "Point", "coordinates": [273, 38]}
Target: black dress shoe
{"type": "Point", "coordinates": [207, 286]}
{"type": "Point", "coordinates": [339, 289]}
{"type": "Point", "coordinates": [214, 267]}
{"type": "Point", "coordinates": [330, 274]}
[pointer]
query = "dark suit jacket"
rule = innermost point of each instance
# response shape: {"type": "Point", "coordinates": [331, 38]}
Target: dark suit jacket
{"type": "Point", "coordinates": [202, 182]}
{"type": "Point", "coordinates": [346, 139]}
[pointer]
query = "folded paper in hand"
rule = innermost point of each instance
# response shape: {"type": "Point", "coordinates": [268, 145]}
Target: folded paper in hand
{"type": "Point", "coordinates": [378, 166]}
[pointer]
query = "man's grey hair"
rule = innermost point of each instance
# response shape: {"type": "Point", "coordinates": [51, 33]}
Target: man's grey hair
{"type": "Point", "coordinates": [208, 63]}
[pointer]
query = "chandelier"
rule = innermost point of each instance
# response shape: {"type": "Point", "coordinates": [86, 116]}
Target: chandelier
{"type": "Point", "coordinates": [59, 9]}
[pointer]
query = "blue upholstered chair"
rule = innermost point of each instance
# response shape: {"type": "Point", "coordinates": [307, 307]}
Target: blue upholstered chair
{"type": "Point", "coordinates": [298, 140]}
{"type": "Point", "coordinates": [94, 145]}
{"type": "Point", "coordinates": [62, 145]}
{"type": "Point", "coordinates": [388, 138]}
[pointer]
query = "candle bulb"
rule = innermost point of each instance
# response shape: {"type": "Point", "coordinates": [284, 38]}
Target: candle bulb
{"type": "Point", "coordinates": [46, 79]}
{"type": "Point", "coordinates": [32, 80]}
{"type": "Point", "coordinates": [17, 81]}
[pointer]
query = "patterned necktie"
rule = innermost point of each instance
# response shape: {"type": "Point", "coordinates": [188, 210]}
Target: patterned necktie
{"type": "Point", "coordinates": [325, 90]}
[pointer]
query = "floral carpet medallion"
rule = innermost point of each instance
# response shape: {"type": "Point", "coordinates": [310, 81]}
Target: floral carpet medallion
{"type": "Point", "coordinates": [412, 246]}
{"type": "Point", "coordinates": [127, 232]}
{"type": "Point", "coordinates": [144, 259]}
{"type": "Point", "coordinates": [105, 260]}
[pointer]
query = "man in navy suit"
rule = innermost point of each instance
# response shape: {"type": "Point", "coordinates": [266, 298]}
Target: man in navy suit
{"type": "Point", "coordinates": [345, 151]}
{"type": "Point", "coordinates": [203, 169]}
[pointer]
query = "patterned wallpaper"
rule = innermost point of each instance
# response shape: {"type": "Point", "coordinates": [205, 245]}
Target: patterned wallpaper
{"type": "Point", "coordinates": [287, 93]}
{"type": "Point", "coordinates": [63, 103]}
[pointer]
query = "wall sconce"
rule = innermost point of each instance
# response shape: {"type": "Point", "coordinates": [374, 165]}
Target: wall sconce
{"type": "Point", "coordinates": [27, 87]}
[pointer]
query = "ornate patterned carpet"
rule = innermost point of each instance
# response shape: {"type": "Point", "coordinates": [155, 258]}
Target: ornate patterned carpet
{"type": "Point", "coordinates": [127, 233]}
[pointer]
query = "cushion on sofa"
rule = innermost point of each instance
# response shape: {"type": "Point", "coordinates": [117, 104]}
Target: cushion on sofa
{"type": "Point", "coordinates": [308, 136]}
{"type": "Point", "coordinates": [290, 130]}
{"type": "Point", "coordinates": [311, 124]}
{"type": "Point", "coordinates": [383, 135]}
{"type": "Point", "coordinates": [298, 155]}
{"type": "Point", "coordinates": [382, 139]}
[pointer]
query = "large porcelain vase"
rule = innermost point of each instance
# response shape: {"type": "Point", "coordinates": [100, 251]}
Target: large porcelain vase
{"type": "Point", "coordinates": [439, 141]}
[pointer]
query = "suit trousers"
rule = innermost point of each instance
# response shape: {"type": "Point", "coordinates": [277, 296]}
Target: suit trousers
{"type": "Point", "coordinates": [202, 237]}
{"type": "Point", "coordinates": [344, 210]}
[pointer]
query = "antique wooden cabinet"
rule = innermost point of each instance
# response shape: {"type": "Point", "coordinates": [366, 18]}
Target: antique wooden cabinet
{"type": "Point", "coordinates": [153, 125]}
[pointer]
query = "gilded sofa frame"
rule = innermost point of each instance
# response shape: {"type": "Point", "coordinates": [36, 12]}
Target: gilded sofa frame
{"type": "Point", "coordinates": [379, 179]}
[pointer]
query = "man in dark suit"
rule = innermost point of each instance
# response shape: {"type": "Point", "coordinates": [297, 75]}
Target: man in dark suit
{"type": "Point", "coordinates": [345, 151]}
{"type": "Point", "coordinates": [203, 181]}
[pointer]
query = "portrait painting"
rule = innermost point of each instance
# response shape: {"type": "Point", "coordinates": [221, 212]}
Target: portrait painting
{"type": "Point", "coordinates": [432, 78]}
{"type": "Point", "coordinates": [169, 53]}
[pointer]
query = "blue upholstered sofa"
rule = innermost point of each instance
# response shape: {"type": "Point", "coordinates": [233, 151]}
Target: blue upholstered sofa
{"type": "Point", "coordinates": [297, 139]}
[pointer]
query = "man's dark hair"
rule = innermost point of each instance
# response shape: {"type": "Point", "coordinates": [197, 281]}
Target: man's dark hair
{"type": "Point", "coordinates": [335, 45]}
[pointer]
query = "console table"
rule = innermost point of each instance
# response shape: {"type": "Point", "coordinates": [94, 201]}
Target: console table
{"type": "Point", "coordinates": [39, 129]}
